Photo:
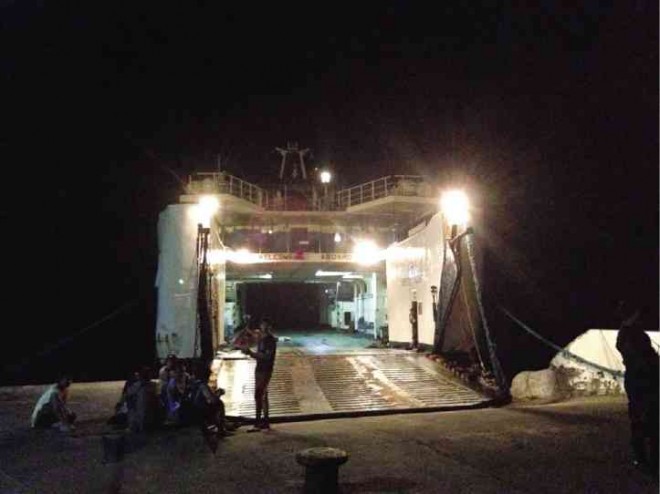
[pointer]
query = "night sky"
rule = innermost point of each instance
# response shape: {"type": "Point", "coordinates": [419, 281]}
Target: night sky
{"type": "Point", "coordinates": [548, 116]}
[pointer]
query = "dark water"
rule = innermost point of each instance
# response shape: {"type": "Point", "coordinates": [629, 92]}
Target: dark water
{"type": "Point", "coordinates": [109, 351]}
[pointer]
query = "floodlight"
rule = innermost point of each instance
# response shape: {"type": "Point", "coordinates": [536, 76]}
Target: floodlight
{"type": "Point", "coordinates": [206, 208]}
{"type": "Point", "coordinates": [366, 252]}
{"type": "Point", "coordinates": [455, 207]}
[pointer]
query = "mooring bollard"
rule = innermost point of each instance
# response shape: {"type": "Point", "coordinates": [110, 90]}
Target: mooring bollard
{"type": "Point", "coordinates": [321, 468]}
{"type": "Point", "coordinates": [114, 447]}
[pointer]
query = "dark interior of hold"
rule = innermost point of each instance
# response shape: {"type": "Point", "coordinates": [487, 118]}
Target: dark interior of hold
{"type": "Point", "coordinates": [288, 305]}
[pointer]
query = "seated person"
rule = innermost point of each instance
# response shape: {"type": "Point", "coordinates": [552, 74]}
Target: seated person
{"type": "Point", "coordinates": [142, 402]}
{"type": "Point", "coordinates": [176, 391]}
{"type": "Point", "coordinates": [120, 417]}
{"type": "Point", "coordinates": [166, 373]}
{"type": "Point", "coordinates": [207, 409]}
{"type": "Point", "coordinates": [51, 408]}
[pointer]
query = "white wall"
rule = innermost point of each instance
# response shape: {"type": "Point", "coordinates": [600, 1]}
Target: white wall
{"type": "Point", "coordinates": [414, 264]}
{"type": "Point", "coordinates": [176, 281]}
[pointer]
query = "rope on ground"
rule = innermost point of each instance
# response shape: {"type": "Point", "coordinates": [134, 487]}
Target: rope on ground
{"type": "Point", "coordinates": [562, 351]}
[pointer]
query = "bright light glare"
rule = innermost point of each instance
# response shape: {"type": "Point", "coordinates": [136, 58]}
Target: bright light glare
{"type": "Point", "coordinates": [337, 237]}
{"type": "Point", "coordinates": [320, 273]}
{"type": "Point", "coordinates": [325, 176]}
{"type": "Point", "coordinates": [352, 277]}
{"type": "Point", "coordinates": [266, 276]}
{"type": "Point", "coordinates": [366, 252]}
{"type": "Point", "coordinates": [205, 209]}
{"type": "Point", "coordinates": [455, 207]}
{"type": "Point", "coordinates": [243, 256]}
{"type": "Point", "coordinates": [216, 256]}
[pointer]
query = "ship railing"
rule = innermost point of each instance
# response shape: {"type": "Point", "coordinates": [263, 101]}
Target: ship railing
{"type": "Point", "coordinates": [393, 185]}
{"type": "Point", "coordinates": [224, 183]}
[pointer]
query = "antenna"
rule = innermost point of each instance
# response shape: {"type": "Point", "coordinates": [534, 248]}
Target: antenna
{"type": "Point", "coordinates": [283, 152]}
{"type": "Point", "coordinates": [293, 149]}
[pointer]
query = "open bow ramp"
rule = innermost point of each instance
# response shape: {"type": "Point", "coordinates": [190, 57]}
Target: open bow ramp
{"type": "Point", "coordinates": [358, 382]}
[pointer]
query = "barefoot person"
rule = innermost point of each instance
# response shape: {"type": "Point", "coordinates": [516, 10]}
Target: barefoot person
{"type": "Point", "coordinates": [265, 357]}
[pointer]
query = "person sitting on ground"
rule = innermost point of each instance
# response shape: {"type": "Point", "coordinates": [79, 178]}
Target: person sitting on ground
{"type": "Point", "coordinates": [142, 402]}
{"type": "Point", "coordinates": [207, 409]}
{"type": "Point", "coordinates": [176, 391]}
{"type": "Point", "coordinates": [51, 408]}
{"type": "Point", "coordinates": [120, 417]}
{"type": "Point", "coordinates": [165, 374]}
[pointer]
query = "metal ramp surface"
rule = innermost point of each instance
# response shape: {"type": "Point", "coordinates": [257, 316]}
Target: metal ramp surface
{"type": "Point", "coordinates": [354, 383]}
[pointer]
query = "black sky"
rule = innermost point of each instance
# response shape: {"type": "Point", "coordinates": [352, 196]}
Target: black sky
{"type": "Point", "coordinates": [547, 114]}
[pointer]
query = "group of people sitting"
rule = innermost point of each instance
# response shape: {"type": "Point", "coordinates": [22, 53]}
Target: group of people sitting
{"type": "Point", "coordinates": [186, 398]}
{"type": "Point", "coordinates": [179, 398]}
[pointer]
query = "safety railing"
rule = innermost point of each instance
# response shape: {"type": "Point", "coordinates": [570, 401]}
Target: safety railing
{"type": "Point", "coordinates": [223, 183]}
{"type": "Point", "coordinates": [393, 185]}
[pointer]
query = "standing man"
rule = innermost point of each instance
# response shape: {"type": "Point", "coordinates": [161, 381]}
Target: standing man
{"type": "Point", "coordinates": [412, 317]}
{"type": "Point", "coordinates": [641, 383]}
{"type": "Point", "coordinates": [265, 357]}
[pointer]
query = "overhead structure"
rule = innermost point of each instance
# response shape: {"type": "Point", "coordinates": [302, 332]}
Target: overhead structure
{"type": "Point", "coordinates": [292, 151]}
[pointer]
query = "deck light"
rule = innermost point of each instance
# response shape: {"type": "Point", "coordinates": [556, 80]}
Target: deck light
{"type": "Point", "coordinates": [325, 177]}
{"type": "Point", "coordinates": [320, 273]}
{"type": "Point", "coordinates": [366, 252]}
{"type": "Point", "coordinates": [243, 256]}
{"type": "Point", "coordinates": [455, 207]}
{"type": "Point", "coordinates": [206, 208]}
{"type": "Point", "coordinates": [337, 238]}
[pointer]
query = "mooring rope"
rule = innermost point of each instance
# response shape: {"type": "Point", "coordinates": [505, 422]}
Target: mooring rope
{"type": "Point", "coordinates": [492, 351]}
{"type": "Point", "coordinates": [562, 351]}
